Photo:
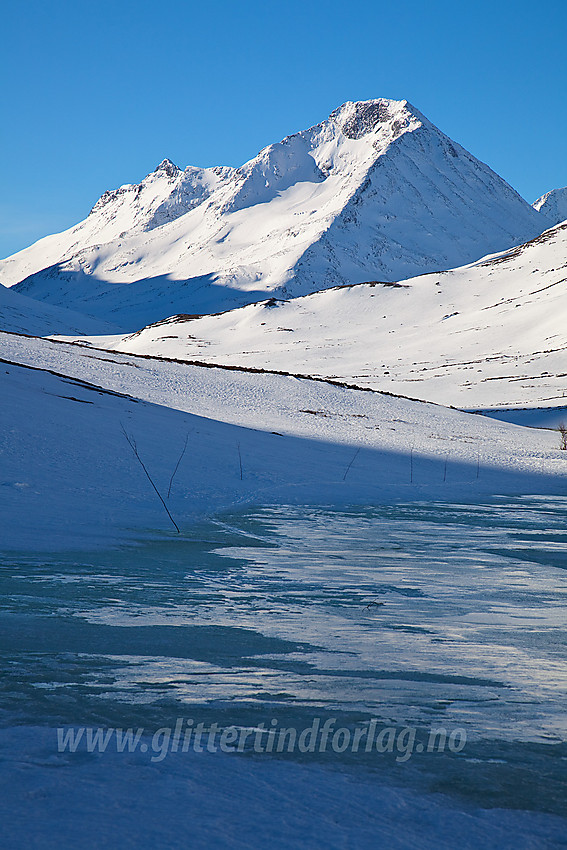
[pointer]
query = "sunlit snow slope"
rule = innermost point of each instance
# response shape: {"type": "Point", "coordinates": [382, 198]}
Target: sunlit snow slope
{"type": "Point", "coordinates": [553, 205]}
{"type": "Point", "coordinates": [374, 192]}
{"type": "Point", "coordinates": [70, 479]}
{"type": "Point", "coordinates": [487, 334]}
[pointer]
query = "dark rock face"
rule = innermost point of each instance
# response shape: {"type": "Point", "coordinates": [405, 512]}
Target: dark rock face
{"type": "Point", "coordinates": [365, 119]}
{"type": "Point", "coordinates": [169, 168]}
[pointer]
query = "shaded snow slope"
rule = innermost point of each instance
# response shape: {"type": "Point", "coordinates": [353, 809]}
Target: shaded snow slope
{"type": "Point", "coordinates": [69, 477]}
{"type": "Point", "coordinates": [553, 205]}
{"type": "Point", "coordinates": [489, 334]}
{"type": "Point", "coordinates": [21, 314]}
{"type": "Point", "coordinates": [375, 191]}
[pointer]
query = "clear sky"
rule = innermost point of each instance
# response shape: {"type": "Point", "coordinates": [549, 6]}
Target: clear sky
{"type": "Point", "coordinates": [96, 94]}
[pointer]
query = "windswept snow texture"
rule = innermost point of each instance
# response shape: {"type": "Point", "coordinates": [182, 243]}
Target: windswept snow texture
{"type": "Point", "coordinates": [489, 334]}
{"type": "Point", "coordinates": [374, 192]}
{"type": "Point", "coordinates": [553, 205]}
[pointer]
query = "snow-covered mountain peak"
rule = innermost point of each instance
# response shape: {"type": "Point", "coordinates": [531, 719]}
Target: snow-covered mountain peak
{"type": "Point", "coordinates": [357, 119]}
{"type": "Point", "coordinates": [142, 194]}
{"type": "Point", "coordinates": [553, 205]}
{"type": "Point", "coordinates": [373, 192]}
{"type": "Point", "coordinates": [345, 145]}
{"type": "Point", "coordinates": [168, 167]}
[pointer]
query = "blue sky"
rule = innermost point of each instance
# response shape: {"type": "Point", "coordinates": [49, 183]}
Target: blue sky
{"type": "Point", "coordinates": [96, 94]}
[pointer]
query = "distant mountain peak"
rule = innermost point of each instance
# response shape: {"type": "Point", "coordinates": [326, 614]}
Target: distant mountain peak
{"type": "Point", "coordinates": [373, 192]}
{"type": "Point", "coordinates": [553, 205]}
{"type": "Point", "coordinates": [357, 119]}
{"type": "Point", "coordinates": [168, 167]}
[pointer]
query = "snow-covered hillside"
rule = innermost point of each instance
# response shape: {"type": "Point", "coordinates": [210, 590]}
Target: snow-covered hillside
{"type": "Point", "coordinates": [70, 479]}
{"type": "Point", "coordinates": [20, 314]}
{"type": "Point", "coordinates": [374, 192]}
{"type": "Point", "coordinates": [553, 205]}
{"type": "Point", "coordinates": [488, 334]}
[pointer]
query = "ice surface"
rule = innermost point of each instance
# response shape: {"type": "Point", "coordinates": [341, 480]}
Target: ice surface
{"type": "Point", "coordinates": [262, 615]}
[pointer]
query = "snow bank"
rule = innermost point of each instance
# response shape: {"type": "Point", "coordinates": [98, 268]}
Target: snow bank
{"type": "Point", "coordinates": [70, 479]}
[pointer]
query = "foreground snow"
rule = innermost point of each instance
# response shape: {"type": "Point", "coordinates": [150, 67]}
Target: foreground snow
{"type": "Point", "coordinates": [201, 801]}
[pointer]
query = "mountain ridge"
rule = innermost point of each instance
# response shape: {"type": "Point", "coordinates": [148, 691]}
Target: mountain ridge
{"type": "Point", "coordinates": [374, 191]}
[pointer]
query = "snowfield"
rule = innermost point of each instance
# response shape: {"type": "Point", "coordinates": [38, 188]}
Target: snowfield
{"type": "Point", "coordinates": [70, 476]}
{"type": "Point", "coordinates": [490, 334]}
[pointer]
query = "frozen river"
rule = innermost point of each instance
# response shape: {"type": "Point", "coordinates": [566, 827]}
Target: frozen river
{"type": "Point", "coordinates": [396, 620]}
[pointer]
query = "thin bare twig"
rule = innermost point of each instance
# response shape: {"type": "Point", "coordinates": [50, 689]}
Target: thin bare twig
{"type": "Point", "coordinates": [240, 460]}
{"type": "Point", "coordinates": [133, 446]}
{"type": "Point", "coordinates": [177, 465]}
{"type": "Point", "coordinates": [350, 464]}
